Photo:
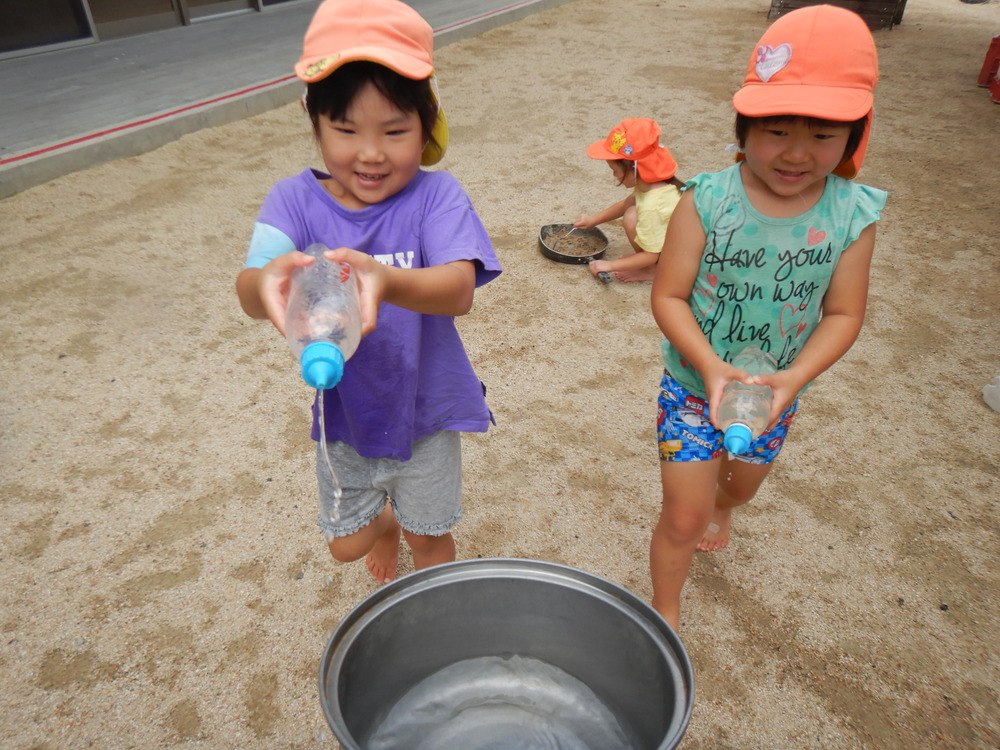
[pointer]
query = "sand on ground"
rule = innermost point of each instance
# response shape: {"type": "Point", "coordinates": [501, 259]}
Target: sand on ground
{"type": "Point", "coordinates": [165, 584]}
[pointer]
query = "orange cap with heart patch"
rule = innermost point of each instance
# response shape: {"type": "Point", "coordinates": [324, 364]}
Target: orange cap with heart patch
{"type": "Point", "coordinates": [818, 61]}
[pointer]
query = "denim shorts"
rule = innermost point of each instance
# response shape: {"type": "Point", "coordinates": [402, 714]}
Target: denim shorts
{"type": "Point", "coordinates": [685, 433]}
{"type": "Point", "coordinates": [426, 491]}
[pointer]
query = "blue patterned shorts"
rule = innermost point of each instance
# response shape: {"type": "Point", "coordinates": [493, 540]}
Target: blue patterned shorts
{"type": "Point", "coordinates": [684, 432]}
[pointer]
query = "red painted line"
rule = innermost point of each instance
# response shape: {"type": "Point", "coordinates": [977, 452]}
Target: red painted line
{"type": "Point", "coordinates": [190, 107]}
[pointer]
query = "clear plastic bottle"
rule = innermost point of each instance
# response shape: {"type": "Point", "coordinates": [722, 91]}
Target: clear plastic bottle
{"type": "Point", "coordinates": [323, 320]}
{"type": "Point", "coordinates": [744, 409]}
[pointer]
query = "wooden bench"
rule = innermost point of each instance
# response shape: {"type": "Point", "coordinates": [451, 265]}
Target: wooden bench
{"type": "Point", "coordinates": [878, 14]}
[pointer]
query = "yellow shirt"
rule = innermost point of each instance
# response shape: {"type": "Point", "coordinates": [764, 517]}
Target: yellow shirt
{"type": "Point", "coordinates": [654, 209]}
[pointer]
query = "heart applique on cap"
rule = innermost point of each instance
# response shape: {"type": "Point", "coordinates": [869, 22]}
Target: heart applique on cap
{"type": "Point", "coordinates": [772, 59]}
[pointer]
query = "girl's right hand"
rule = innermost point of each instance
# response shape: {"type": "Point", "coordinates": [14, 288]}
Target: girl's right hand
{"type": "Point", "coordinates": [274, 283]}
{"type": "Point", "coordinates": [599, 266]}
{"type": "Point", "coordinates": [716, 377]}
{"type": "Point", "coordinates": [586, 221]}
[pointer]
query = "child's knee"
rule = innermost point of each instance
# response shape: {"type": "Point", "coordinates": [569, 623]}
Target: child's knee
{"type": "Point", "coordinates": [741, 483]}
{"type": "Point", "coordinates": [684, 527]}
{"type": "Point", "coordinates": [423, 543]}
{"type": "Point", "coordinates": [736, 493]}
{"type": "Point", "coordinates": [347, 549]}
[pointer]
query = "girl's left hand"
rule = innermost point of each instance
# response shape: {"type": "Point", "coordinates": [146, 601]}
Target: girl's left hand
{"type": "Point", "coordinates": [785, 387]}
{"type": "Point", "coordinates": [371, 283]}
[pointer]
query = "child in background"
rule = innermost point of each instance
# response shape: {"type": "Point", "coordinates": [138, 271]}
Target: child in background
{"type": "Point", "coordinates": [637, 160]}
{"type": "Point", "coordinates": [772, 252]}
{"type": "Point", "coordinates": [419, 250]}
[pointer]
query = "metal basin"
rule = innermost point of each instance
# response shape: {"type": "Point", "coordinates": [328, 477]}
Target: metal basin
{"type": "Point", "coordinates": [596, 632]}
{"type": "Point", "coordinates": [579, 246]}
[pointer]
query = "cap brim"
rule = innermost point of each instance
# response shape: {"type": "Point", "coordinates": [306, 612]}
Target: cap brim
{"type": "Point", "coordinates": [598, 150]}
{"type": "Point", "coordinates": [824, 102]}
{"type": "Point", "coordinates": [313, 69]}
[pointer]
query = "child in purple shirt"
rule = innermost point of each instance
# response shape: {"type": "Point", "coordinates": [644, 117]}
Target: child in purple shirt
{"type": "Point", "coordinates": [419, 249]}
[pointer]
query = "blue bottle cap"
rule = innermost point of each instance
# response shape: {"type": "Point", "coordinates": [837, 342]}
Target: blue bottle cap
{"type": "Point", "coordinates": [737, 438]}
{"type": "Point", "coordinates": [322, 365]}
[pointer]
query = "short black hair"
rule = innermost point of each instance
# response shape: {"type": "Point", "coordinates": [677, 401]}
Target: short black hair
{"type": "Point", "coordinates": [333, 95]}
{"type": "Point", "coordinates": [744, 122]}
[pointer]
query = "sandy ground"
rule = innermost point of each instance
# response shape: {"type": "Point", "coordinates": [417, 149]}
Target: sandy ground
{"type": "Point", "coordinates": [165, 584]}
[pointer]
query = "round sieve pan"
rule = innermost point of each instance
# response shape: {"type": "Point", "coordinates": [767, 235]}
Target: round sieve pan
{"type": "Point", "coordinates": [558, 243]}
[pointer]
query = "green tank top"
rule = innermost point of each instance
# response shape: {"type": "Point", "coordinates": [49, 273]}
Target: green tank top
{"type": "Point", "coordinates": [761, 280]}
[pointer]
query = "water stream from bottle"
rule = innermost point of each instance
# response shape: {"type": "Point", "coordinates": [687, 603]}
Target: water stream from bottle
{"type": "Point", "coordinates": [325, 450]}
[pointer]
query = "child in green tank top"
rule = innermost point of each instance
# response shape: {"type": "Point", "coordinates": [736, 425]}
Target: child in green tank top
{"type": "Point", "coordinates": [773, 253]}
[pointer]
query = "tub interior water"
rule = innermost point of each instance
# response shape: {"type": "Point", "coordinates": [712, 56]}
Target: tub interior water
{"type": "Point", "coordinates": [497, 703]}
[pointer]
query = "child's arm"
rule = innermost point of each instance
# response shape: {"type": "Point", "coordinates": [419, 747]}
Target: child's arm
{"type": "Point", "coordinates": [246, 291]}
{"type": "Point", "coordinates": [263, 292]}
{"type": "Point", "coordinates": [676, 272]}
{"type": "Point", "coordinates": [616, 211]}
{"type": "Point", "coordinates": [843, 314]}
{"type": "Point", "coordinates": [630, 262]}
{"type": "Point", "coordinates": [447, 289]}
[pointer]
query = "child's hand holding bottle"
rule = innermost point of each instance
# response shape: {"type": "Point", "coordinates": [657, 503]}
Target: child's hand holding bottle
{"type": "Point", "coordinates": [274, 283]}
{"type": "Point", "coordinates": [786, 386]}
{"type": "Point", "coordinates": [716, 376]}
{"type": "Point", "coordinates": [445, 289]}
{"type": "Point", "coordinates": [372, 283]}
{"type": "Point", "coordinates": [323, 319]}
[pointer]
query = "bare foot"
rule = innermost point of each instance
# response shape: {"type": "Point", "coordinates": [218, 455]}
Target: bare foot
{"type": "Point", "coordinates": [383, 560]}
{"type": "Point", "coordinates": [639, 274]}
{"type": "Point", "coordinates": [717, 534]}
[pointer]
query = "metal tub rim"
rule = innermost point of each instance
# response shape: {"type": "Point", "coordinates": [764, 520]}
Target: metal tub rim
{"type": "Point", "coordinates": [643, 616]}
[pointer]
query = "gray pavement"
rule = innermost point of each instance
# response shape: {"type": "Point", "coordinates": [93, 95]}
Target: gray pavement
{"type": "Point", "coordinates": [73, 108]}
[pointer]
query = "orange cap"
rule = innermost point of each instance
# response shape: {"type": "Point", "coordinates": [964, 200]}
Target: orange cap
{"type": "Point", "coordinates": [818, 61]}
{"type": "Point", "coordinates": [637, 139]}
{"type": "Point", "coordinates": [387, 32]}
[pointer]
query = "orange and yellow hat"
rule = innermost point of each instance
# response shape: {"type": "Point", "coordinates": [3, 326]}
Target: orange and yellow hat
{"type": "Point", "coordinates": [387, 32]}
{"type": "Point", "coordinates": [637, 139]}
{"type": "Point", "coordinates": [818, 61]}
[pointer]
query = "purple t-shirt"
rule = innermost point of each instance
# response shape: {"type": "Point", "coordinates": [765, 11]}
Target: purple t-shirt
{"type": "Point", "coordinates": [410, 377]}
